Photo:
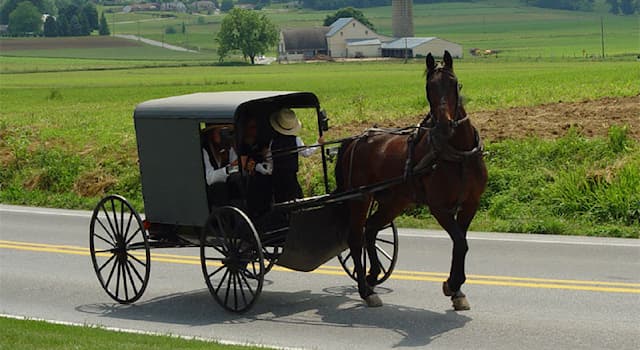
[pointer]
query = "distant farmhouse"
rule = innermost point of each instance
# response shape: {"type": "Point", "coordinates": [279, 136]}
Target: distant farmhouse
{"type": "Point", "coordinates": [349, 38]}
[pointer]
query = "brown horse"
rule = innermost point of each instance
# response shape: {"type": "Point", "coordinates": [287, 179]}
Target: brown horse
{"type": "Point", "coordinates": [439, 165]}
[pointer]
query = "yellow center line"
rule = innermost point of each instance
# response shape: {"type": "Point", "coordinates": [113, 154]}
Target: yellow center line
{"type": "Point", "coordinates": [438, 277]}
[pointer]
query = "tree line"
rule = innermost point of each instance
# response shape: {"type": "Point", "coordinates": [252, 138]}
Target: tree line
{"type": "Point", "coordinates": [336, 4]}
{"type": "Point", "coordinates": [62, 17]}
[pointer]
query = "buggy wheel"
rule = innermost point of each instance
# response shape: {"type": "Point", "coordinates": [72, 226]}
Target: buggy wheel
{"type": "Point", "coordinates": [232, 259]}
{"type": "Point", "coordinates": [387, 248]}
{"type": "Point", "coordinates": [115, 233]}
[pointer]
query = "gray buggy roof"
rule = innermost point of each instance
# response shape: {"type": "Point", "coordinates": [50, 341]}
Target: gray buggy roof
{"type": "Point", "coordinates": [220, 106]}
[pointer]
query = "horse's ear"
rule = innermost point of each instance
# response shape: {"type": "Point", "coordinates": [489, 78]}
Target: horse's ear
{"type": "Point", "coordinates": [448, 60]}
{"type": "Point", "coordinates": [431, 62]}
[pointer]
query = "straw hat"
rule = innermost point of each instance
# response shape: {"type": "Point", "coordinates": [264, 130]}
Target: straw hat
{"type": "Point", "coordinates": [285, 122]}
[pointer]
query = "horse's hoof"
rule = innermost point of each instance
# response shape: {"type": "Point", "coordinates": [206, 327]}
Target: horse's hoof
{"type": "Point", "coordinates": [460, 303]}
{"type": "Point", "coordinates": [445, 289]}
{"type": "Point", "coordinates": [373, 300]}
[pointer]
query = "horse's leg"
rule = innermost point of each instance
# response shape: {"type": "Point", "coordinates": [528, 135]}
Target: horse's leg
{"type": "Point", "coordinates": [359, 211]}
{"type": "Point", "coordinates": [385, 213]}
{"type": "Point", "coordinates": [457, 277]}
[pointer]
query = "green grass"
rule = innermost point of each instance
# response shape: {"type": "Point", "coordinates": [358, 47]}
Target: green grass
{"type": "Point", "coordinates": [67, 138]}
{"type": "Point", "coordinates": [573, 185]}
{"type": "Point", "coordinates": [517, 30]}
{"type": "Point", "coordinates": [29, 334]}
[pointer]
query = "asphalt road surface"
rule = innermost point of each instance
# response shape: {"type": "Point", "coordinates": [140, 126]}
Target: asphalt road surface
{"type": "Point", "coordinates": [526, 292]}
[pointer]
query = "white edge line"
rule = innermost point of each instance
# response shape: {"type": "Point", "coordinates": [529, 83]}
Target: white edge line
{"type": "Point", "coordinates": [427, 234]}
{"type": "Point", "coordinates": [141, 332]}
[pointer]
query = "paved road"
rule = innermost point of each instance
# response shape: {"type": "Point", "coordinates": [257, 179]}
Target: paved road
{"type": "Point", "coordinates": [526, 291]}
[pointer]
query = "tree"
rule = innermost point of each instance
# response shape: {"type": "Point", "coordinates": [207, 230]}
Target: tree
{"type": "Point", "coordinates": [104, 26]}
{"type": "Point", "coordinates": [226, 5]}
{"type": "Point", "coordinates": [614, 7]}
{"type": "Point", "coordinates": [25, 19]}
{"type": "Point", "coordinates": [75, 27]}
{"type": "Point", "coordinates": [246, 31]}
{"type": "Point", "coordinates": [63, 26]}
{"type": "Point", "coordinates": [346, 13]}
{"type": "Point", "coordinates": [91, 14]}
{"type": "Point", "coordinates": [43, 6]}
{"type": "Point", "coordinates": [50, 27]}
{"type": "Point", "coordinates": [627, 7]}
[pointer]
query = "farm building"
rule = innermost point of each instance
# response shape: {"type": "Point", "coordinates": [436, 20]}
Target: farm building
{"type": "Point", "coordinates": [420, 47]}
{"type": "Point", "coordinates": [303, 43]}
{"type": "Point", "coordinates": [349, 38]}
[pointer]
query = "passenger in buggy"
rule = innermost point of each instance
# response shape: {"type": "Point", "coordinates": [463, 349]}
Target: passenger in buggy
{"type": "Point", "coordinates": [286, 146]}
{"type": "Point", "coordinates": [256, 162]}
{"type": "Point", "coordinates": [220, 162]}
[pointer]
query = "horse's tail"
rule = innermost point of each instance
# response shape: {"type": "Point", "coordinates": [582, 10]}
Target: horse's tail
{"type": "Point", "coordinates": [340, 171]}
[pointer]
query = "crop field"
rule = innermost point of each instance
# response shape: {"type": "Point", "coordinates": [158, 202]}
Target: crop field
{"type": "Point", "coordinates": [518, 31]}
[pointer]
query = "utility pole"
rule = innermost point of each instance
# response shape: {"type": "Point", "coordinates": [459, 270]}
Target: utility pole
{"type": "Point", "coordinates": [602, 34]}
{"type": "Point", "coordinates": [406, 50]}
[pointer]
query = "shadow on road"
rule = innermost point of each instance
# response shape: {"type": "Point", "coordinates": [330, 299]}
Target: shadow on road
{"type": "Point", "coordinates": [336, 307]}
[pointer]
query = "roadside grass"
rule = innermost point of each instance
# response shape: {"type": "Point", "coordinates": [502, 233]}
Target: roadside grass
{"type": "Point", "coordinates": [30, 334]}
{"type": "Point", "coordinates": [143, 52]}
{"type": "Point", "coordinates": [68, 138]}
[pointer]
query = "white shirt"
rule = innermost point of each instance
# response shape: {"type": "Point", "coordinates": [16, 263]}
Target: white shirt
{"type": "Point", "coordinates": [213, 175]}
{"type": "Point", "coordinates": [306, 152]}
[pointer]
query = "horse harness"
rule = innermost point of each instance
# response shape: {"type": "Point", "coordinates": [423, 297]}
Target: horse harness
{"type": "Point", "coordinates": [440, 150]}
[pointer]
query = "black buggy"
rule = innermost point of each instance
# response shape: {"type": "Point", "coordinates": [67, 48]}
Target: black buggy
{"type": "Point", "coordinates": [236, 250]}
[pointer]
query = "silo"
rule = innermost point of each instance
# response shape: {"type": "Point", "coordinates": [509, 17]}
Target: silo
{"type": "Point", "coordinates": [402, 19]}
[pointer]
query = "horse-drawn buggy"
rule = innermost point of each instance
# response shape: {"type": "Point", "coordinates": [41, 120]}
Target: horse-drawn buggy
{"type": "Point", "coordinates": [240, 227]}
{"type": "Point", "coordinates": [237, 246]}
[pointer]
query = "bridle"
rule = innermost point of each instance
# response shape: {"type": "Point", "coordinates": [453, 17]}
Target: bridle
{"type": "Point", "coordinates": [458, 119]}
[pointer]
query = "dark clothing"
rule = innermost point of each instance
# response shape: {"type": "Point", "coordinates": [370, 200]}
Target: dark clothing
{"type": "Point", "coordinates": [287, 162]}
{"type": "Point", "coordinates": [285, 169]}
{"type": "Point", "coordinates": [259, 192]}
{"type": "Point", "coordinates": [286, 186]}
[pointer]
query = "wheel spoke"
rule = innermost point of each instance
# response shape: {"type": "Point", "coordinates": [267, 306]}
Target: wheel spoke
{"type": "Point", "coordinates": [216, 271]}
{"type": "Point", "coordinates": [248, 284]}
{"type": "Point", "coordinates": [107, 262]}
{"type": "Point", "coordinates": [132, 236]}
{"type": "Point", "coordinates": [105, 229]}
{"type": "Point", "coordinates": [386, 255]}
{"type": "Point", "coordinates": [103, 239]}
{"type": "Point", "coordinates": [122, 220]}
{"type": "Point", "coordinates": [136, 271]}
{"type": "Point", "coordinates": [384, 241]}
{"type": "Point", "coordinates": [235, 292]}
{"type": "Point", "coordinates": [115, 217]}
{"type": "Point", "coordinates": [133, 285]}
{"type": "Point", "coordinates": [113, 268]}
{"type": "Point", "coordinates": [253, 275]}
{"type": "Point", "coordinates": [118, 280]}
{"type": "Point", "coordinates": [124, 282]}
{"type": "Point", "coordinates": [219, 250]}
{"type": "Point", "coordinates": [244, 298]}
{"type": "Point", "coordinates": [226, 294]}
{"type": "Point", "coordinates": [226, 272]}
{"type": "Point", "coordinates": [104, 251]}
{"type": "Point", "coordinates": [215, 259]}
{"type": "Point", "coordinates": [115, 233]}
{"type": "Point", "coordinates": [136, 259]}
{"type": "Point", "coordinates": [384, 271]}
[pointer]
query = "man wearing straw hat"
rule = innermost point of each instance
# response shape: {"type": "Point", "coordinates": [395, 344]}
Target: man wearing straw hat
{"type": "Point", "coordinates": [285, 147]}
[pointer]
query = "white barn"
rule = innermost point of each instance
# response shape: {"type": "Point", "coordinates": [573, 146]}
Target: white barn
{"type": "Point", "coordinates": [420, 47]}
{"type": "Point", "coordinates": [349, 38]}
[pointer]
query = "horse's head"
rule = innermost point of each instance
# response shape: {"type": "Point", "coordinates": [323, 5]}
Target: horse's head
{"type": "Point", "coordinates": [443, 93]}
